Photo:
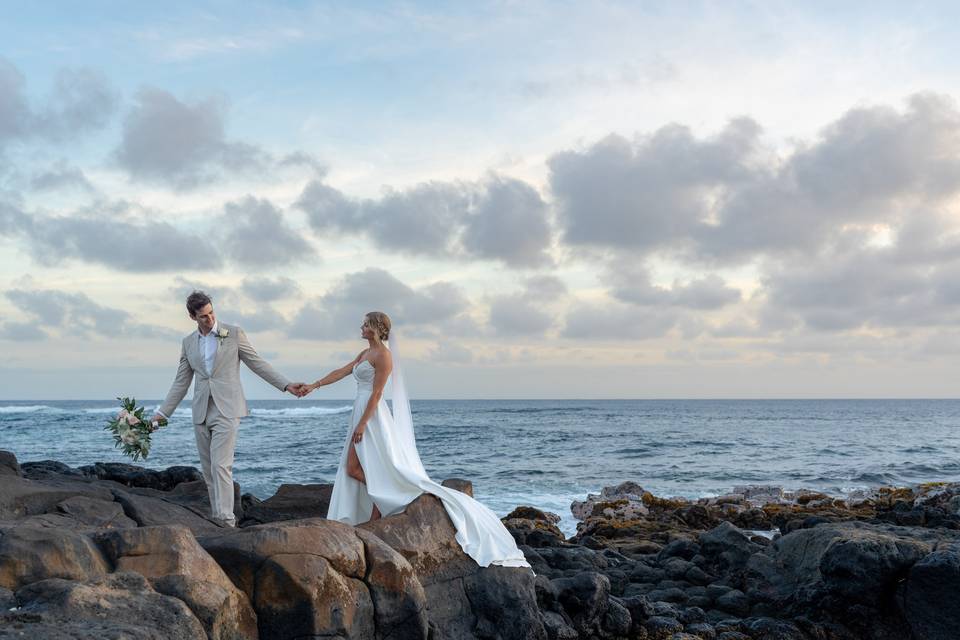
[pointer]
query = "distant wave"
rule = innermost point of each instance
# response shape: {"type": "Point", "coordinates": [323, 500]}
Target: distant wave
{"type": "Point", "coordinates": [25, 408]}
{"type": "Point", "coordinates": [300, 411]}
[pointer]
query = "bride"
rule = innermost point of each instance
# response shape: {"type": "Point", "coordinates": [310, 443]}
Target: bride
{"type": "Point", "coordinates": [380, 471]}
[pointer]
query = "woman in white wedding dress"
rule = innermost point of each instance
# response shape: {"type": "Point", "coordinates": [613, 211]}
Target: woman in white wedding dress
{"type": "Point", "coordinates": [380, 471]}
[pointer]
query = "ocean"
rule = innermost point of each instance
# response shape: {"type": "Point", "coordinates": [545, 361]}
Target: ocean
{"type": "Point", "coordinates": [547, 453]}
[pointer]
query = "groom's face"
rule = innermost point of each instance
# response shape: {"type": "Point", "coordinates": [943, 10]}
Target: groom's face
{"type": "Point", "coordinates": [205, 318]}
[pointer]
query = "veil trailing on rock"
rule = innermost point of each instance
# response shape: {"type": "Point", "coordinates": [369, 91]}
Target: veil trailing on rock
{"type": "Point", "coordinates": [402, 417]}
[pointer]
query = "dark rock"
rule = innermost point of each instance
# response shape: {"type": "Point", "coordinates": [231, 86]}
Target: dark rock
{"type": "Point", "coordinates": [400, 604]}
{"type": "Point", "coordinates": [930, 595]}
{"type": "Point", "coordinates": [121, 605]}
{"type": "Point", "coordinates": [639, 607]}
{"type": "Point", "coordinates": [98, 514]}
{"type": "Point", "coordinates": [9, 465]}
{"type": "Point", "coordinates": [135, 476]}
{"type": "Point", "coordinates": [735, 602]}
{"type": "Point", "coordinates": [680, 548]}
{"type": "Point", "coordinates": [557, 627]}
{"type": "Point", "coordinates": [733, 635]}
{"type": "Point", "coordinates": [290, 502]}
{"type": "Point", "coordinates": [461, 485]}
{"type": "Point", "coordinates": [504, 602]}
{"type": "Point", "coordinates": [585, 598]}
{"type": "Point", "coordinates": [7, 599]}
{"type": "Point", "coordinates": [701, 630]}
{"type": "Point", "coordinates": [303, 577]}
{"type": "Point", "coordinates": [730, 546]}
{"type": "Point", "coordinates": [149, 511]}
{"type": "Point", "coordinates": [771, 629]}
{"type": "Point", "coordinates": [617, 620]}
{"type": "Point", "coordinates": [691, 614]}
{"type": "Point", "coordinates": [667, 595]}
{"type": "Point", "coordinates": [30, 554]}
{"type": "Point", "coordinates": [45, 468]}
{"type": "Point", "coordinates": [661, 628]}
{"type": "Point", "coordinates": [176, 565]}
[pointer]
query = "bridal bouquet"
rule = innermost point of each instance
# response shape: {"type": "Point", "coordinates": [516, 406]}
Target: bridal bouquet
{"type": "Point", "coordinates": [131, 431]}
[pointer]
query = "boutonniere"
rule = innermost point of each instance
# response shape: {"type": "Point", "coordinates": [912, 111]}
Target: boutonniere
{"type": "Point", "coordinates": [221, 334]}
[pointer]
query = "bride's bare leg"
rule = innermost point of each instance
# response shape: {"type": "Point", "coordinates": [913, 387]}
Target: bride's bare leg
{"type": "Point", "coordinates": [355, 471]}
{"type": "Point", "coordinates": [354, 468]}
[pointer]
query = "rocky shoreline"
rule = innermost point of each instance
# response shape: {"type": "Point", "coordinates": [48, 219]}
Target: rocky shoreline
{"type": "Point", "coordinates": [119, 551]}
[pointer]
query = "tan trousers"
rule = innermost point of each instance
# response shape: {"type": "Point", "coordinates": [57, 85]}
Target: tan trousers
{"type": "Point", "coordinates": [216, 439]}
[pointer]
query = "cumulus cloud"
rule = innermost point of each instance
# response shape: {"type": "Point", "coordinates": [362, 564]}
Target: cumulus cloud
{"type": "Point", "coordinates": [258, 236]}
{"type": "Point", "coordinates": [61, 176]}
{"type": "Point", "coordinates": [339, 312]}
{"type": "Point", "coordinates": [530, 312]}
{"type": "Point", "coordinates": [180, 143]}
{"type": "Point", "coordinates": [498, 219]}
{"type": "Point", "coordinates": [727, 198]}
{"type": "Point", "coordinates": [655, 190]}
{"type": "Point", "coordinates": [239, 305]}
{"type": "Point", "coordinates": [108, 236]}
{"type": "Point", "coordinates": [270, 289]}
{"type": "Point", "coordinates": [81, 101]}
{"type": "Point", "coordinates": [631, 282]}
{"type": "Point", "coordinates": [617, 321]}
{"type": "Point", "coordinates": [72, 313]}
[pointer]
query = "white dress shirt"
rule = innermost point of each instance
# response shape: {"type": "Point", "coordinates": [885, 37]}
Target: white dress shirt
{"type": "Point", "coordinates": [208, 346]}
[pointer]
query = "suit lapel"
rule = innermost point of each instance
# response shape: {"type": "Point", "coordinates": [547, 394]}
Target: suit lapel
{"type": "Point", "coordinates": [220, 346]}
{"type": "Point", "coordinates": [197, 355]}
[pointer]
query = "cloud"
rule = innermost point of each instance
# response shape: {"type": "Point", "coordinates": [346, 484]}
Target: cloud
{"type": "Point", "coordinates": [241, 306]}
{"type": "Point", "coordinates": [617, 321]}
{"type": "Point", "coordinates": [631, 282]}
{"type": "Point", "coordinates": [530, 312]}
{"type": "Point", "coordinates": [509, 223]}
{"type": "Point", "coordinates": [270, 289]}
{"type": "Point", "coordinates": [81, 101]}
{"type": "Point", "coordinates": [73, 313]}
{"type": "Point", "coordinates": [729, 199]}
{"type": "Point", "coordinates": [61, 176]}
{"type": "Point", "coordinates": [496, 219]}
{"type": "Point", "coordinates": [257, 235]}
{"type": "Point", "coordinates": [110, 237]}
{"type": "Point", "coordinates": [652, 192]}
{"type": "Point", "coordinates": [179, 143]}
{"type": "Point", "coordinates": [339, 312]}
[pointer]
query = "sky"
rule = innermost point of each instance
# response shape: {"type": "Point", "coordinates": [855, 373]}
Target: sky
{"type": "Point", "coordinates": [550, 199]}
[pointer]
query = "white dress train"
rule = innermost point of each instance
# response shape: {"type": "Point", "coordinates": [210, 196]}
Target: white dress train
{"type": "Point", "coordinates": [396, 477]}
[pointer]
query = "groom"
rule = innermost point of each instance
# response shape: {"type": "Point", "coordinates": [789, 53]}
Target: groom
{"type": "Point", "coordinates": [213, 353]}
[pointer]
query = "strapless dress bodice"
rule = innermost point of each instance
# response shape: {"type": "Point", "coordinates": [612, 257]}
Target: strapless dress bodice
{"type": "Point", "coordinates": [364, 375]}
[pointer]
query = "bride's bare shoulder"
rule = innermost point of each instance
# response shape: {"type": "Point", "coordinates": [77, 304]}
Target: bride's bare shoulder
{"type": "Point", "coordinates": [381, 357]}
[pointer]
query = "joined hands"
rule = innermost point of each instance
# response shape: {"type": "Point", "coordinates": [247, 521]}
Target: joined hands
{"type": "Point", "coordinates": [299, 389]}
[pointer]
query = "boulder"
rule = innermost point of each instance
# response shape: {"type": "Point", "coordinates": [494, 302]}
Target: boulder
{"type": "Point", "coordinates": [399, 602]}
{"type": "Point", "coordinates": [930, 595]}
{"type": "Point", "coordinates": [585, 597]}
{"type": "Point", "coordinates": [463, 600]}
{"type": "Point", "coordinates": [121, 605]}
{"type": "Point", "coordinates": [176, 565]}
{"type": "Point", "coordinates": [21, 497]}
{"type": "Point", "coordinates": [134, 476]}
{"type": "Point", "coordinates": [9, 465]}
{"type": "Point", "coordinates": [149, 511]}
{"type": "Point", "coordinates": [304, 577]}
{"type": "Point", "coordinates": [290, 502]}
{"type": "Point", "coordinates": [30, 554]}
{"type": "Point", "coordinates": [98, 514]}
{"type": "Point", "coordinates": [461, 485]}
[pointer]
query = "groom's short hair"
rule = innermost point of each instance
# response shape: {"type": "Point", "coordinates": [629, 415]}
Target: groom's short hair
{"type": "Point", "coordinates": [196, 301]}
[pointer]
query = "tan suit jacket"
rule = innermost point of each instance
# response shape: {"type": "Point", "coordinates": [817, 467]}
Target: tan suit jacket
{"type": "Point", "coordinates": [223, 383]}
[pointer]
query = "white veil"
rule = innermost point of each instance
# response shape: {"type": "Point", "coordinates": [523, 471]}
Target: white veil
{"type": "Point", "coordinates": [402, 418]}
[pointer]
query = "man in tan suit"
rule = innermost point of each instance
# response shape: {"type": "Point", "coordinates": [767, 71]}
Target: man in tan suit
{"type": "Point", "coordinates": [212, 354]}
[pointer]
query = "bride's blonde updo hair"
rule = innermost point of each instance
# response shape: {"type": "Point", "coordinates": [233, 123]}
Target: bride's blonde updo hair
{"type": "Point", "coordinates": [379, 322]}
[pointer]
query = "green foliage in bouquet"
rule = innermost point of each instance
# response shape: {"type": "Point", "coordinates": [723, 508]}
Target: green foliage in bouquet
{"type": "Point", "coordinates": [131, 431]}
